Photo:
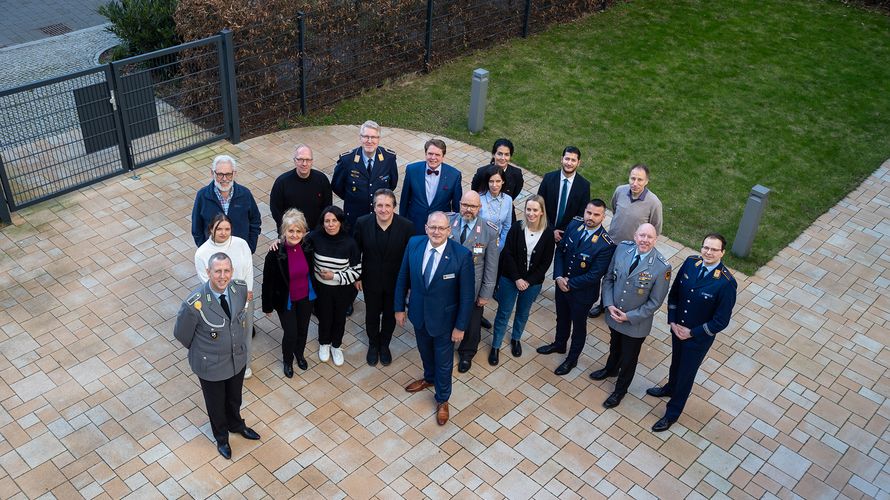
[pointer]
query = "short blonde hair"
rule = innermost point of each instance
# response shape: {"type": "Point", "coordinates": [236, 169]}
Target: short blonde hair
{"type": "Point", "coordinates": [293, 217]}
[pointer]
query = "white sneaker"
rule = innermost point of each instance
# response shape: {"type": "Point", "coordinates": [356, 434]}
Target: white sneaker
{"type": "Point", "coordinates": [248, 373]}
{"type": "Point", "coordinates": [324, 352]}
{"type": "Point", "coordinates": [337, 354]}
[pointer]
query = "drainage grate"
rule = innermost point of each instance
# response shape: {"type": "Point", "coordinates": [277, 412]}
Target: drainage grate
{"type": "Point", "coordinates": [55, 29]}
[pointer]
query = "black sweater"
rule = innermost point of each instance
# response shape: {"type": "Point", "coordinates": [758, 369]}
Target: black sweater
{"type": "Point", "coordinates": [339, 254]}
{"type": "Point", "coordinates": [310, 196]}
{"type": "Point", "coordinates": [514, 255]}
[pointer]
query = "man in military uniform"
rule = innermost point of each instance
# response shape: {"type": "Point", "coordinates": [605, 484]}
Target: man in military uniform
{"type": "Point", "coordinates": [699, 306]}
{"type": "Point", "coordinates": [359, 173]}
{"type": "Point", "coordinates": [582, 258]}
{"type": "Point", "coordinates": [211, 325]}
{"type": "Point", "coordinates": [480, 237]}
{"type": "Point", "coordinates": [633, 289]}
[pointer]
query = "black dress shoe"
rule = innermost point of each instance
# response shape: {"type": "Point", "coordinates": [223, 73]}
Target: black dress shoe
{"type": "Point", "coordinates": [289, 370]}
{"type": "Point", "coordinates": [485, 323]}
{"type": "Point", "coordinates": [349, 310]}
{"type": "Point", "coordinates": [225, 450]}
{"type": "Point", "coordinates": [595, 311]}
{"type": "Point", "coordinates": [253, 335]}
{"type": "Point", "coordinates": [662, 425]}
{"type": "Point", "coordinates": [464, 365]}
{"type": "Point", "coordinates": [658, 392]}
{"type": "Point", "coordinates": [249, 433]}
{"type": "Point", "coordinates": [515, 348]}
{"type": "Point", "coordinates": [613, 400]}
{"type": "Point", "coordinates": [494, 357]}
{"type": "Point", "coordinates": [385, 356]}
{"type": "Point", "coordinates": [301, 362]}
{"type": "Point", "coordinates": [373, 355]}
{"type": "Point", "coordinates": [550, 349]}
{"type": "Point", "coordinates": [565, 367]}
{"type": "Point", "coordinates": [601, 374]}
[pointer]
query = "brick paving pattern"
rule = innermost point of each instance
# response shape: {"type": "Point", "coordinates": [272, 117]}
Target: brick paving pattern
{"type": "Point", "coordinates": [98, 399]}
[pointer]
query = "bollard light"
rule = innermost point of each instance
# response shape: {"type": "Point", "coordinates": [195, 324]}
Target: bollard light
{"type": "Point", "coordinates": [478, 95]}
{"type": "Point", "coordinates": [744, 238]}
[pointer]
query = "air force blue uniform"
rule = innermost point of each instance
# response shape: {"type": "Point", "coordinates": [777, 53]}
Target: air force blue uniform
{"type": "Point", "coordinates": [356, 187]}
{"type": "Point", "coordinates": [438, 308]}
{"type": "Point", "coordinates": [704, 305]}
{"type": "Point", "coordinates": [583, 260]}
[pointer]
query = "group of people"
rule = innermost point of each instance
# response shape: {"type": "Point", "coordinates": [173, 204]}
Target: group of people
{"type": "Point", "coordinates": [438, 262]}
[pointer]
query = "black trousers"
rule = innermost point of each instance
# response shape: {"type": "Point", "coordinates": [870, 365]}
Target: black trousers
{"type": "Point", "coordinates": [295, 325]}
{"type": "Point", "coordinates": [571, 322]}
{"type": "Point", "coordinates": [624, 351]}
{"type": "Point", "coordinates": [330, 309]}
{"type": "Point", "coordinates": [380, 319]}
{"type": "Point", "coordinates": [223, 401]}
{"type": "Point", "coordinates": [470, 344]}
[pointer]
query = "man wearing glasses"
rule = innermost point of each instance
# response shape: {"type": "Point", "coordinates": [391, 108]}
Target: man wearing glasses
{"type": "Point", "coordinates": [359, 173]}
{"type": "Point", "coordinates": [439, 274]}
{"type": "Point", "coordinates": [303, 188]}
{"type": "Point", "coordinates": [699, 306]}
{"type": "Point", "coordinates": [224, 195]}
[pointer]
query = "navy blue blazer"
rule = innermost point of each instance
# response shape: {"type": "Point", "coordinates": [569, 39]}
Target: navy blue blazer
{"type": "Point", "coordinates": [414, 204]}
{"type": "Point", "coordinates": [702, 305]}
{"type": "Point", "coordinates": [447, 303]}
{"type": "Point", "coordinates": [356, 188]}
{"type": "Point", "coordinates": [583, 262]}
{"type": "Point", "coordinates": [243, 211]}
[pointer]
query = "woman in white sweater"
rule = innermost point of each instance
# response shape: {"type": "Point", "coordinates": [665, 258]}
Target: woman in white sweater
{"type": "Point", "coordinates": [220, 239]}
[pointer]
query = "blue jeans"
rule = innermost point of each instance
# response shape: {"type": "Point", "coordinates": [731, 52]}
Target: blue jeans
{"type": "Point", "coordinates": [509, 296]}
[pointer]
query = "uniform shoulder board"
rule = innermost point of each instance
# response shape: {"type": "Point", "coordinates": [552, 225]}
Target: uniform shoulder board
{"type": "Point", "coordinates": [607, 238]}
{"type": "Point", "coordinates": [695, 257]}
{"type": "Point", "coordinates": [492, 225]}
{"type": "Point", "coordinates": [239, 282]}
{"type": "Point", "coordinates": [389, 151]}
{"type": "Point", "coordinates": [627, 242]}
{"type": "Point", "coordinates": [578, 218]}
{"type": "Point", "coordinates": [662, 259]}
{"type": "Point", "coordinates": [345, 153]}
{"type": "Point", "coordinates": [728, 275]}
{"type": "Point", "coordinates": [193, 298]}
{"type": "Point", "coordinates": [451, 214]}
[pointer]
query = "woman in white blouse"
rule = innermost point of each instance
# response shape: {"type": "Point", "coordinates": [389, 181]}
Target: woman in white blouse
{"type": "Point", "coordinates": [220, 239]}
{"type": "Point", "coordinates": [497, 206]}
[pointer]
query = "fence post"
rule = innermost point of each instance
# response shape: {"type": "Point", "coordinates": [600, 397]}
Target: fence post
{"type": "Point", "coordinates": [525, 18]}
{"type": "Point", "coordinates": [744, 237]}
{"type": "Point", "coordinates": [120, 122]}
{"type": "Point", "coordinates": [301, 47]}
{"type": "Point", "coordinates": [5, 216]}
{"type": "Point", "coordinates": [429, 35]}
{"type": "Point", "coordinates": [230, 86]}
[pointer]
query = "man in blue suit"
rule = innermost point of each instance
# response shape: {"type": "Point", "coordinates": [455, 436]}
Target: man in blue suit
{"type": "Point", "coordinates": [430, 186]}
{"type": "Point", "coordinates": [699, 306]}
{"type": "Point", "coordinates": [582, 258]}
{"type": "Point", "coordinates": [439, 273]}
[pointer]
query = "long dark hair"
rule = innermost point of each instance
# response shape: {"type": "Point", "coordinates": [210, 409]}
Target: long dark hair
{"type": "Point", "coordinates": [339, 214]}
{"type": "Point", "coordinates": [215, 221]}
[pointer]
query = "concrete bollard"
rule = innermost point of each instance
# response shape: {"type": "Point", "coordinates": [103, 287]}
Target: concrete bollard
{"type": "Point", "coordinates": [744, 238]}
{"type": "Point", "coordinates": [478, 95]}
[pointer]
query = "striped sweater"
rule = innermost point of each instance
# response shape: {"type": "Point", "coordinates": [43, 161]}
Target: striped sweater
{"type": "Point", "coordinates": [338, 254]}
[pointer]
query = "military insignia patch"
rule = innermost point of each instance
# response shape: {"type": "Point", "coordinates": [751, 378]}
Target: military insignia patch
{"type": "Point", "coordinates": [667, 275]}
{"type": "Point", "coordinates": [595, 238]}
{"type": "Point", "coordinates": [356, 159]}
{"type": "Point", "coordinates": [214, 335]}
{"type": "Point", "coordinates": [379, 156]}
{"type": "Point", "coordinates": [583, 265]}
{"type": "Point", "coordinates": [197, 305]}
{"type": "Point", "coordinates": [717, 273]}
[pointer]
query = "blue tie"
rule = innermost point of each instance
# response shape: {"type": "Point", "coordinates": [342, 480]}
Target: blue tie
{"type": "Point", "coordinates": [428, 270]}
{"type": "Point", "coordinates": [563, 196]}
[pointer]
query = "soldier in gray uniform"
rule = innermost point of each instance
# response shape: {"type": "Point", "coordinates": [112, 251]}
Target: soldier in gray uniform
{"type": "Point", "coordinates": [634, 288]}
{"type": "Point", "coordinates": [211, 325]}
{"type": "Point", "coordinates": [480, 237]}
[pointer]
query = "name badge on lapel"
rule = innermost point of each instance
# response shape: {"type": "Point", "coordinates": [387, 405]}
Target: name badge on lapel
{"type": "Point", "coordinates": [448, 276]}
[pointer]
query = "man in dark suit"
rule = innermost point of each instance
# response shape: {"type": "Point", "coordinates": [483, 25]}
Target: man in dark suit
{"type": "Point", "coordinates": [359, 173]}
{"type": "Point", "coordinates": [224, 195]}
{"type": "Point", "coordinates": [430, 186]}
{"type": "Point", "coordinates": [699, 306]}
{"type": "Point", "coordinates": [439, 274]}
{"type": "Point", "coordinates": [633, 289]}
{"type": "Point", "coordinates": [582, 258]}
{"type": "Point", "coordinates": [565, 192]}
{"type": "Point", "coordinates": [382, 238]}
{"type": "Point", "coordinates": [211, 325]}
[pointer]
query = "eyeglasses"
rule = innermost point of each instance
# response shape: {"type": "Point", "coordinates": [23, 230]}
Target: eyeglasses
{"type": "Point", "coordinates": [225, 177]}
{"type": "Point", "coordinates": [467, 205]}
{"type": "Point", "coordinates": [710, 249]}
{"type": "Point", "coordinates": [437, 228]}
{"type": "Point", "coordinates": [369, 137]}
{"type": "Point", "coordinates": [302, 160]}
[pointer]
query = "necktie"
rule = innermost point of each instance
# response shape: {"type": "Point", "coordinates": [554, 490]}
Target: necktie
{"type": "Point", "coordinates": [463, 234]}
{"type": "Point", "coordinates": [428, 270]}
{"type": "Point", "coordinates": [633, 265]}
{"type": "Point", "coordinates": [430, 171]}
{"type": "Point", "coordinates": [225, 305]}
{"type": "Point", "coordinates": [703, 272]}
{"type": "Point", "coordinates": [563, 196]}
{"type": "Point", "coordinates": [370, 165]}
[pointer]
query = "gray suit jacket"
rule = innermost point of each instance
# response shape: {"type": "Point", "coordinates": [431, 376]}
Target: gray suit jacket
{"type": "Point", "coordinates": [639, 294]}
{"type": "Point", "coordinates": [483, 243]}
{"type": "Point", "coordinates": [217, 346]}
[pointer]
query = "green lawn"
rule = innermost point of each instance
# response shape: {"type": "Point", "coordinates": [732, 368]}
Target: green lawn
{"type": "Point", "coordinates": [714, 95]}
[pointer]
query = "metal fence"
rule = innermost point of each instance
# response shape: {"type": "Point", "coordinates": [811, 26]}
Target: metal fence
{"type": "Point", "coordinates": [60, 134]}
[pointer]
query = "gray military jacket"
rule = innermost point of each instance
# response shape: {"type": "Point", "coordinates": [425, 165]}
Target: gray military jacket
{"type": "Point", "coordinates": [217, 349]}
{"type": "Point", "coordinates": [482, 241]}
{"type": "Point", "coordinates": [639, 294]}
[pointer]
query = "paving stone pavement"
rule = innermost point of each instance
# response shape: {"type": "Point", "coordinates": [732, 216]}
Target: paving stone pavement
{"type": "Point", "coordinates": [97, 399]}
{"type": "Point", "coordinates": [28, 20]}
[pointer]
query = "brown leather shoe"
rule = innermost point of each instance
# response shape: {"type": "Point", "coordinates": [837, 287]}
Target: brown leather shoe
{"type": "Point", "coordinates": [418, 385]}
{"type": "Point", "coordinates": [442, 413]}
